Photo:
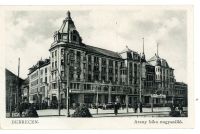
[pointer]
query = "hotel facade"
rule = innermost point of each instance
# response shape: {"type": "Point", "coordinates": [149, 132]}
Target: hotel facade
{"type": "Point", "coordinates": [94, 74]}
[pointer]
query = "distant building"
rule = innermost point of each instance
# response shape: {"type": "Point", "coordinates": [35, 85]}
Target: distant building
{"type": "Point", "coordinates": [12, 83]}
{"type": "Point", "coordinates": [25, 90]}
{"type": "Point", "coordinates": [164, 79]}
{"type": "Point", "coordinates": [180, 93]}
{"type": "Point", "coordinates": [39, 79]}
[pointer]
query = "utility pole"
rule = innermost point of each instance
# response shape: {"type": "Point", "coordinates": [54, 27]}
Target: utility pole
{"type": "Point", "coordinates": [126, 99]}
{"type": "Point", "coordinates": [58, 96]}
{"type": "Point", "coordinates": [10, 108]}
{"type": "Point", "coordinates": [17, 98]}
{"type": "Point", "coordinates": [97, 96]}
{"type": "Point", "coordinates": [59, 89]}
{"type": "Point", "coordinates": [140, 93]}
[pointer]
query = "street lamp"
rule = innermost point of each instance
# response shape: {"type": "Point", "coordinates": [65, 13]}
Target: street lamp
{"type": "Point", "coordinates": [59, 81]}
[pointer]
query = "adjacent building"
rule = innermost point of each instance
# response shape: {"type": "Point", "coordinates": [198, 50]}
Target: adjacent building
{"type": "Point", "coordinates": [181, 93]}
{"type": "Point", "coordinates": [13, 90]}
{"type": "Point", "coordinates": [39, 80]}
{"type": "Point", "coordinates": [164, 79]}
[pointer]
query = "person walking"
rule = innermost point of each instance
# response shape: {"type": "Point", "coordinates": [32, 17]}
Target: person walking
{"type": "Point", "coordinates": [135, 107]}
{"type": "Point", "coordinates": [140, 105]}
{"type": "Point", "coordinates": [21, 109]}
{"type": "Point", "coordinates": [115, 108]}
{"type": "Point", "coordinates": [180, 108]}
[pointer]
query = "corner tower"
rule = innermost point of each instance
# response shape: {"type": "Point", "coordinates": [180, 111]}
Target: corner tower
{"type": "Point", "coordinates": [67, 33]}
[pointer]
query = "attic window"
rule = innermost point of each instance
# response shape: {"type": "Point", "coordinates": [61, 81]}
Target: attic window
{"type": "Point", "coordinates": [74, 38]}
{"type": "Point", "coordinates": [65, 37]}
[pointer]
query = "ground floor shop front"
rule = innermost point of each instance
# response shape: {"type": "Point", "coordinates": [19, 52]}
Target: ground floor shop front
{"type": "Point", "coordinates": [100, 98]}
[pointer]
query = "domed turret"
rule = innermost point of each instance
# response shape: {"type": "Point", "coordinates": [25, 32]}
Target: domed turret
{"type": "Point", "coordinates": [158, 61]}
{"type": "Point", "coordinates": [67, 32]}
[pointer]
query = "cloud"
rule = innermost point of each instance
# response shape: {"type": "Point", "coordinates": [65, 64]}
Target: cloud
{"type": "Point", "coordinates": [30, 34]}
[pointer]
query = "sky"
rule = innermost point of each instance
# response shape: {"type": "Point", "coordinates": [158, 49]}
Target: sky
{"type": "Point", "coordinates": [29, 34]}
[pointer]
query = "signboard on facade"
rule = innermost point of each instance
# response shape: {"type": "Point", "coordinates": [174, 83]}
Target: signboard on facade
{"type": "Point", "coordinates": [158, 95]}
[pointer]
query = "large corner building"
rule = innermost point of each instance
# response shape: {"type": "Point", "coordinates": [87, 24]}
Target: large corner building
{"type": "Point", "coordinates": [91, 72]}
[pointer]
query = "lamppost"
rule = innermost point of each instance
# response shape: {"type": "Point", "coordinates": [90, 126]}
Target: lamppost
{"type": "Point", "coordinates": [47, 92]}
{"type": "Point", "coordinates": [66, 69]}
{"type": "Point", "coordinates": [140, 91]}
{"type": "Point", "coordinates": [126, 90]}
{"type": "Point", "coordinates": [97, 98]}
{"type": "Point", "coordinates": [59, 81]}
{"type": "Point", "coordinates": [68, 84]}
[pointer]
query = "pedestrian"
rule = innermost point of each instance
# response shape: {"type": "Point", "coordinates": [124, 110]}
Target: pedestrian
{"type": "Point", "coordinates": [21, 109]}
{"type": "Point", "coordinates": [180, 108]}
{"type": "Point", "coordinates": [172, 107]}
{"type": "Point", "coordinates": [140, 105]}
{"type": "Point", "coordinates": [135, 107]}
{"type": "Point", "coordinates": [115, 108]}
{"type": "Point", "coordinates": [31, 112]}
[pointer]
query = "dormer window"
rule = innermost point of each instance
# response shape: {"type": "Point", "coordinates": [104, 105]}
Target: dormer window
{"type": "Point", "coordinates": [74, 38]}
{"type": "Point", "coordinates": [64, 37]}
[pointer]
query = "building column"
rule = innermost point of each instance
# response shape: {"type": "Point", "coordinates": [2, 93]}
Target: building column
{"type": "Point", "coordinates": [128, 72]}
{"type": "Point", "coordinates": [114, 71]}
{"type": "Point", "coordinates": [100, 69]}
{"type": "Point", "coordinates": [118, 72]}
{"type": "Point", "coordinates": [102, 98]}
{"type": "Point", "coordinates": [92, 67]}
{"type": "Point", "coordinates": [82, 70]}
{"type": "Point", "coordinates": [107, 62]}
{"type": "Point", "coordinates": [75, 64]}
{"type": "Point", "coordinates": [109, 93]}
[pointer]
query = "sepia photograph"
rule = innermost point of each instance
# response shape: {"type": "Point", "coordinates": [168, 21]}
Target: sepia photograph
{"type": "Point", "coordinates": [97, 62]}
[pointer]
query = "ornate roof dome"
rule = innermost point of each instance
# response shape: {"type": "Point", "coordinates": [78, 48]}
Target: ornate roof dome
{"type": "Point", "coordinates": [68, 24]}
{"type": "Point", "coordinates": [155, 60]}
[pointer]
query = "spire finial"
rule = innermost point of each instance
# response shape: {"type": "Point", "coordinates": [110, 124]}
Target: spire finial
{"type": "Point", "coordinates": [143, 45]}
{"type": "Point", "coordinates": [157, 48]}
{"type": "Point", "coordinates": [68, 14]}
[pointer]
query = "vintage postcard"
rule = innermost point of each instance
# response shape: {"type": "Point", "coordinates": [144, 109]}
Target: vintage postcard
{"type": "Point", "coordinates": [96, 67]}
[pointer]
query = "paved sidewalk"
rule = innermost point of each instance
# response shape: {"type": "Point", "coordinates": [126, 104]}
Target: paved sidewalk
{"type": "Point", "coordinates": [158, 112]}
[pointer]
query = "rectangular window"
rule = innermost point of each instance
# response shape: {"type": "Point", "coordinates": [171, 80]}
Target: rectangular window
{"type": "Point", "coordinates": [62, 51]}
{"type": "Point", "coordinates": [41, 72]}
{"type": "Point", "coordinates": [62, 73]}
{"type": "Point", "coordinates": [45, 70]}
{"type": "Point", "coordinates": [54, 85]}
{"type": "Point", "coordinates": [74, 37]}
{"type": "Point", "coordinates": [84, 65]}
{"type": "Point", "coordinates": [52, 55]}
{"type": "Point", "coordinates": [56, 64]}
{"type": "Point", "coordinates": [89, 58]}
{"type": "Point", "coordinates": [62, 62]}
{"type": "Point", "coordinates": [41, 80]}
{"type": "Point", "coordinates": [52, 64]}
{"type": "Point", "coordinates": [56, 53]}
{"type": "Point", "coordinates": [45, 79]}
